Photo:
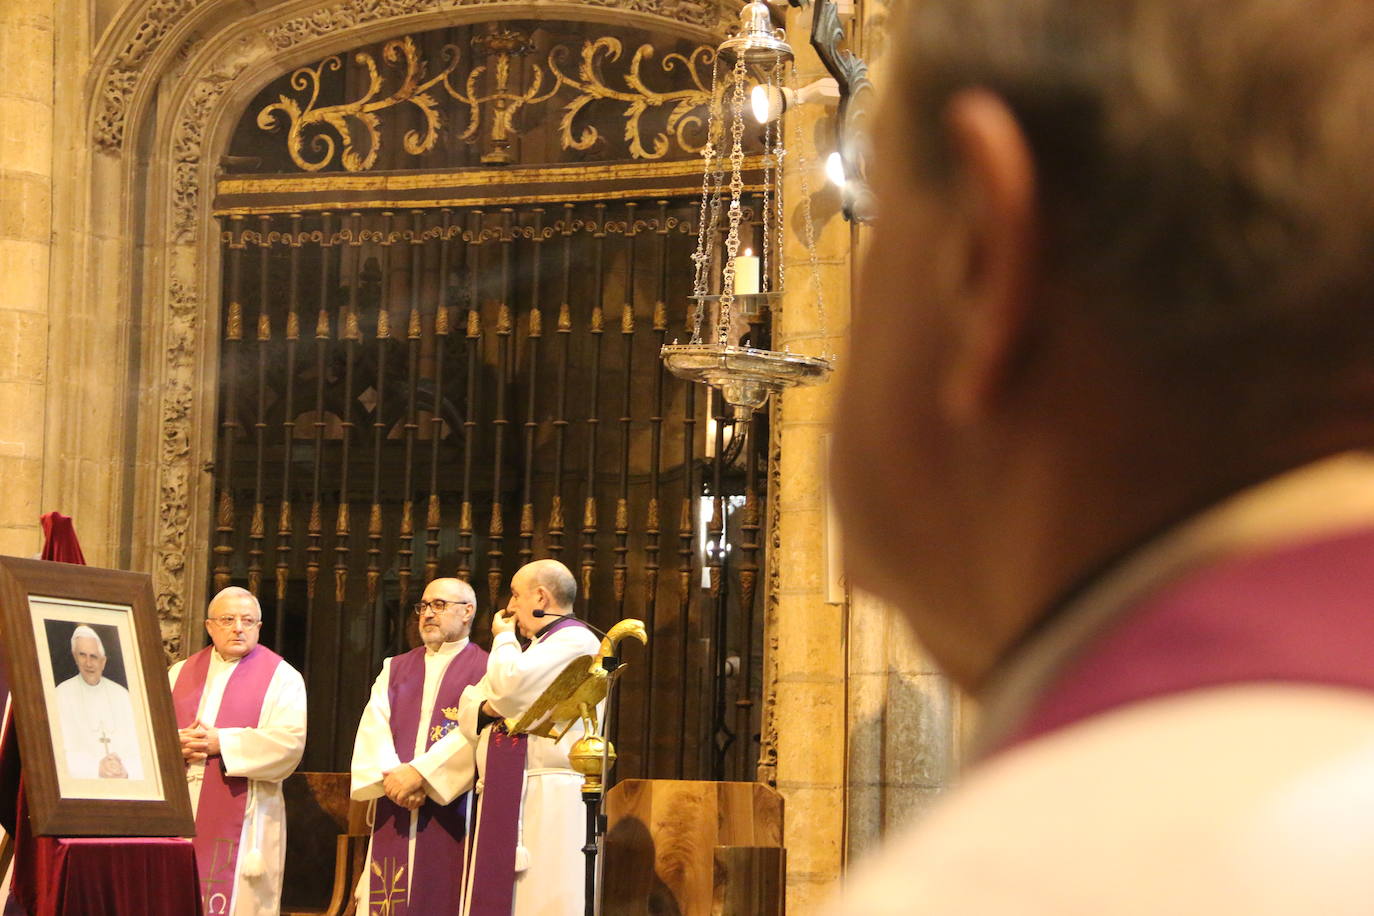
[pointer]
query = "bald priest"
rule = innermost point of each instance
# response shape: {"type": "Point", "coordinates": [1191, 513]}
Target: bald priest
{"type": "Point", "coordinates": [417, 768]}
{"type": "Point", "coordinates": [241, 713]}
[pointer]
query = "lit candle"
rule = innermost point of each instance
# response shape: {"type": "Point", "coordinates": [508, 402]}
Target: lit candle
{"type": "Point", "coordinates": [746, 273]}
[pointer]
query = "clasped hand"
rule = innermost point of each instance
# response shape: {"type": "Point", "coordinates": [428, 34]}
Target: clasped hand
{"type": "Point", "coordinates": [405, 786]}
{"type": "Point", "coordinates": [198, 741]}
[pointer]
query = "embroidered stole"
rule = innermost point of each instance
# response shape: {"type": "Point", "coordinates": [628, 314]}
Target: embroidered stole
{"type": "Point", "coordinates": [1294, 614]}
{"type": "Point", "coordinates": [491, 888]}
{"type": "Point", "coordinates": [223, 802]}
{"type": "Point", "coordinates": [435, 887]}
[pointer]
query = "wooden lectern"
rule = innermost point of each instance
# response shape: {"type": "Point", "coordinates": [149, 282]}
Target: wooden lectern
{"type": "Point", "coordinates": [693, 848]}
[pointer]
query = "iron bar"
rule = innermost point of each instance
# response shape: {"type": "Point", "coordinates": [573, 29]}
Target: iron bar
{"type": "Point", "coordinates": [560, 418]}
{"type": "Point", "coordinates": [293, 335]}
{"type": "Point", "coordinates": [686, 533]}
{"type": "Point", "coordinates": [322, 335]}
{"type": "Point", "coordinates": [749, 539]}
{"type": "Point", "coordinates": [652, 523]}
{"type": "Point", "coordinates": [257, 531]}
{"type": "Point", "coordinates": [379, 431]}
{"type": "Point", "coordinates": [233, 336]}
{"type": "Point", "coordinates": [627, 336]}
{"type": "Point", "coordinates": [621, 569]}
{"type": "Point", "coordinates": [748, 579]}
{"type": "Point", "coordinates": [536, 331]}
{"type": "Point", "coordinates": [722, 737]}
{"type": "Point", "coordinates": [597, 328]}
{"type": "Point", "coordinates": [350, 334]}
{"type": "Point", "coordinates": [436, 420]}
{"type": "Point", "coordinates": [474, 333]}
{"type": "Point", "coordinates": [505, 328]}
{"type": "Point", "coordinates": [405, 549]}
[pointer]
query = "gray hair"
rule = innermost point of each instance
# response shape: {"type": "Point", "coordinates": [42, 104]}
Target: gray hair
{"type": "Point", "coordinates": [85, 632]}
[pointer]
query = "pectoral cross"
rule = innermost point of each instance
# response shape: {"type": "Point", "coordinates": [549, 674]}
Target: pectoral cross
{"type": "Point", "coordinates": [104, 739]}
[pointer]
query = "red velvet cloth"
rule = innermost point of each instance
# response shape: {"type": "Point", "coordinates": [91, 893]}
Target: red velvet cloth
{"type": "Point", "coordinates": [59, 540]}
{"type": "Point", "coordinates": [112, 877]}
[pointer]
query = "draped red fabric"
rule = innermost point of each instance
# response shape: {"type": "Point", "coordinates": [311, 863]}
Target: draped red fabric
{"type": "Point", "coordinates": [59, 540]}
{"type": "Point", "coordinates": [129, 876]}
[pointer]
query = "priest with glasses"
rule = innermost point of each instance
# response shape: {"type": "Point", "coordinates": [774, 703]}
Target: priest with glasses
{"type": "Point", "coordinates": [240, 712]}
{"type": "Point", "coordinates": [411, 760]}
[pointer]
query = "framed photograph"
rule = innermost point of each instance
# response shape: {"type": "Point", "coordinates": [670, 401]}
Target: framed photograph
{"type": "Point", "coordinates": [91, 702]}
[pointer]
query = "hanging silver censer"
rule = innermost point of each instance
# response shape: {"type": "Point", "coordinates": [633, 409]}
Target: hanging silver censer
{"type": "Point", "coordinates": [745, 375]}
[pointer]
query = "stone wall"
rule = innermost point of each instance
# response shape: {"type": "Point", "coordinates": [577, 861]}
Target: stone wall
{"type": "Point", "coordinates": [27, 55]}
{"type": "Point", "coordinates": [806, 701]}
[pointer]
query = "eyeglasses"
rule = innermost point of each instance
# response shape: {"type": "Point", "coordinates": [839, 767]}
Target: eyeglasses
{"type": "Point", "coordinates": [438, 605]}
{"type": "Point", "coordinates": [227, 622]}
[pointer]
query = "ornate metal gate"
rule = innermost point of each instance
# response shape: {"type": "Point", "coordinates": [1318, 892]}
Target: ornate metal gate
{"type": "Point", "coordinates": [453, 371]}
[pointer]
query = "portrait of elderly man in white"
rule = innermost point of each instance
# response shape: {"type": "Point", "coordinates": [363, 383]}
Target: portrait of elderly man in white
{"type": "Point", "coordinates": [99, 739]}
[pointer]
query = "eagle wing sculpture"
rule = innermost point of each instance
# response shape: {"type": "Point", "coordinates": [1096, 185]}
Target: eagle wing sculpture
{"type": "Point", "coordinates": [579, 688]}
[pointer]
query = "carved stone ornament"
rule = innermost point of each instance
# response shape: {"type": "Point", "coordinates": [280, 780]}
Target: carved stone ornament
{"type": "Point", "coordinates": [353, 13]}
{"type": "Point", "coordinates": [174, 460]}
{"type": "Point", "coordinates": [117, 87]}
{"type": "Point", "coordinates": [181, 358]}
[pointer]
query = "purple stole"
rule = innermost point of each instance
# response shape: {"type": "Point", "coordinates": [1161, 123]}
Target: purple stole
{"type": "Point", "coordinates": [1301, 613]}
{"type": "Point", "coordinates": [223, 799]}
{"type": "Point", "coordinates": [492, 866]}
{"type": "Point", "coordinates": [437, 883]}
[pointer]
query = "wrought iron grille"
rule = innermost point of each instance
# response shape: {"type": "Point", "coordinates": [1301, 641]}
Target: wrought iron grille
{"type": "Point", "coordinates": [407, 394]}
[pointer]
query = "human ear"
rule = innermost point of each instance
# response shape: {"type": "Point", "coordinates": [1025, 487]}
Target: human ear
{"type": "Point", "coordinates": [997, 174]}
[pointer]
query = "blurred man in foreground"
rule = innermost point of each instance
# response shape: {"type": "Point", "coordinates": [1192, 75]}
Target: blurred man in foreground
{"type": "Point", "coordinates": [1113, 364]}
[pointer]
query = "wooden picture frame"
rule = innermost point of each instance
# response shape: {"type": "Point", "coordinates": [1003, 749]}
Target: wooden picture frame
{"type": "Point", "coordinates": [94, 764]}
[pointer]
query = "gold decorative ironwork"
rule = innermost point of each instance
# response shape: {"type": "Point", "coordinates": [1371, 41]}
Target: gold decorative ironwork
{"type": "Point", "coordinates": [687, 105]}
{"type": "Point", "coordinates": [350, 132]}
{"type": "Point", "coordinates": [360, 114]}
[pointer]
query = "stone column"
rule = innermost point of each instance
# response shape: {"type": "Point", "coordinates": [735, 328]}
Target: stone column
{"type": "Point", "coordinates": [27, 51]}
{"type": "Point", "coordinates": [806, 691]}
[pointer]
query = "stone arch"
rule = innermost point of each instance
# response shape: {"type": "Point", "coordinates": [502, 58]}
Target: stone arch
{"type": "Point", "coordinates": [170, 81]}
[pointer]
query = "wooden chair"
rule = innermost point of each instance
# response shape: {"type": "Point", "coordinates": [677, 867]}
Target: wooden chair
{"type": "Point", "coordinates": [326, 845]}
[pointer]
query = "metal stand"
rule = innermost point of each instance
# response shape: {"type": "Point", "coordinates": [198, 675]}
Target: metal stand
{"type": "Point", "coordinates": [592, 756]}
{"type": "Point", "coordinates": [592, 800]}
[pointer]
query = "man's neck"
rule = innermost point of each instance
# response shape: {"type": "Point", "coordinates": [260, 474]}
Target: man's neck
{"type": "Point", "coordinates": [446, 648]}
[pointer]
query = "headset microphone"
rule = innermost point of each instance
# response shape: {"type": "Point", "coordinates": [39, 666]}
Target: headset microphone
{"type": "Point", "coordinates": [610, 663]}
